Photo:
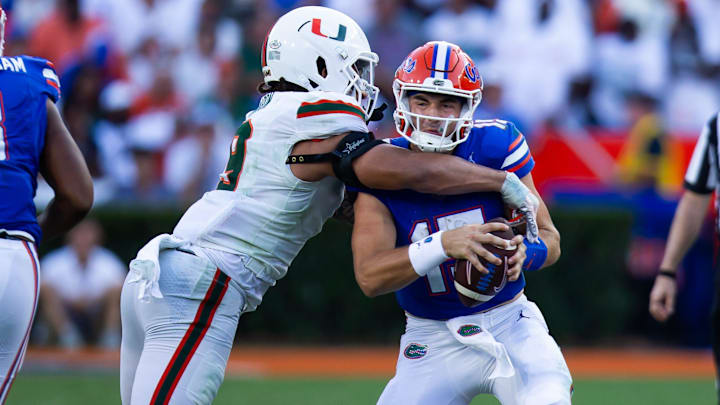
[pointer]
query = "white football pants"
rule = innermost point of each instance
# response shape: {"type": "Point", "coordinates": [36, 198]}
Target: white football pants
{"type": "Point", "coordinates": [175, 349]}
{"type": "Point", "coordinates": [19, 288]}
{"type": "Point", "coordinates": [434, 368]}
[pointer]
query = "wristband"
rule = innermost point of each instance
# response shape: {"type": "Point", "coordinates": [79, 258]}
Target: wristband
{"type": "Point", "coordinates": [667, 273]}
{"type": "Point", "coordinates": [536, 255]}
{"type": "Point", "coordinates": [427, 254]}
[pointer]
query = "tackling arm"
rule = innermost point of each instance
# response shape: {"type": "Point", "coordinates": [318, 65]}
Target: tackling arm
{"type": "Point", "coordinates": [63, 167]}
{"type": "Point", "coordinates": [392, 168]}
{"type": "Point", "coordinates": [389, 167]}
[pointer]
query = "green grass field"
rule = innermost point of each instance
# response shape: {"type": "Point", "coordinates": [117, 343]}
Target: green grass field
{"type": "Point", "coordinates": [47, 389]}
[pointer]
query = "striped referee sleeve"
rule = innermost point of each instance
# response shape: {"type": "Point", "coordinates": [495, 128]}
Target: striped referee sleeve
{"type": "Point", "coordinates": [702, 172]}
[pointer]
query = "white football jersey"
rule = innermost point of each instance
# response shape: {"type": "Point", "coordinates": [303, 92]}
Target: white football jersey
{"type": "Point", "coordinates": [260, 209]}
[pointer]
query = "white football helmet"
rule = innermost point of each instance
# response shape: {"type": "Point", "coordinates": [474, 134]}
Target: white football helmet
{"type": "Point", "coordinates": [3, 18]}
{"type": "Point", "coordinates": [308, 40]}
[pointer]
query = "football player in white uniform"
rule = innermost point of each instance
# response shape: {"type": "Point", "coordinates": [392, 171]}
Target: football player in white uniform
{"type": "Point", "coordinates": [288, 161]}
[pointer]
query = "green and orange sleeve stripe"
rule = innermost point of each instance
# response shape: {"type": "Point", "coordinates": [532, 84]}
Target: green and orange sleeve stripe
{"type": "Point", "coordinates": [322, 107]}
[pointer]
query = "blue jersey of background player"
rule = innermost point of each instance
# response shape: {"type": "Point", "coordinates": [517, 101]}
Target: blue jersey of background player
{"type": "Point", "coordinates": [26, 83]}
{"type": "Point", "coordinates": [402, 241]}
{"type": "Point", "coordinates": [33, 139]}
{"type": "Point", "coordinates": [496, 144]}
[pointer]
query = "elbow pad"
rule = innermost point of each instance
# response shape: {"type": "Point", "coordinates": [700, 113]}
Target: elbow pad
{"type": "Point", "coordinates": [354, 145]}
{"type": "Point", "coordinates": [351, 147]}
{"type": "Point", "coordinates": [536, 255]}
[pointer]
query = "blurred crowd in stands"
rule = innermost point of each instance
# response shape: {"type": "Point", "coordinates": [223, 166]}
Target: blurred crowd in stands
{"type": "Point", "coordinates": [153, 89]}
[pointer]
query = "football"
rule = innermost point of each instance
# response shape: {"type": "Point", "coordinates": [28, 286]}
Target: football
{"type": "Point", "coordinates": [474, 287]}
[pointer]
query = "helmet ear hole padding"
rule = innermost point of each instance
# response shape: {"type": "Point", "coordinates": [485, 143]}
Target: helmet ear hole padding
{"type": "Point", "coordinates": [321, 66]}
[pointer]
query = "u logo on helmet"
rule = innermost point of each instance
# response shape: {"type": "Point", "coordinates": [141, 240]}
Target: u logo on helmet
{"type": "Point", "coordinates": [472, 73]}
{"type": "Point", "coordinates": [342, 30]}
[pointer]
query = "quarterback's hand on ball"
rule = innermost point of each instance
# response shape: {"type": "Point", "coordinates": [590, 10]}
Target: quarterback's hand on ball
{"type": "Point", "coordinates": [466, 243]}
{"type": "Point", "coordinates": [516, 261]}
{"type": "Point", "coordinates": [662, 298]}
{"type": "Point", "coordinates": [517, 195]}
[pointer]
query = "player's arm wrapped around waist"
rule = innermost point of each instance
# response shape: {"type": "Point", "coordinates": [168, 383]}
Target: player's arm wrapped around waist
{"type": "Point", "coordinates": [536, 254]}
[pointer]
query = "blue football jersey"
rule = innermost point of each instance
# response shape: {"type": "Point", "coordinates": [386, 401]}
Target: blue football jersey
{"type": "Point", "coordinates": [493, 143]}
{"type": "Point", "coordinates": [25, 85]}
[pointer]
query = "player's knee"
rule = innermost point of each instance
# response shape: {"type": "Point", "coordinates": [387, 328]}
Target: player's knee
{"type": "Point", "coordinates": [204, 383]}
{"type": "Point", "coordinates": [550, 391]}
{"type": "Point", "coordinates": [558, 399]}
{"type": "Point", "coordinates": [556, 395]}
{"type": "Point", "coordinates": [560, 402]}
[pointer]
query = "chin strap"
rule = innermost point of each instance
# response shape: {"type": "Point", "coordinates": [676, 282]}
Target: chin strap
{"type": "Point", "coordinates": [316, 158]}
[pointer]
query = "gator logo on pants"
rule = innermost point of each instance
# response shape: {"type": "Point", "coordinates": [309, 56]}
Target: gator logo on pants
{"type": "Point", "coordinates": [415, 351]}
{"type": "Point", "coordinates": [469, 330]}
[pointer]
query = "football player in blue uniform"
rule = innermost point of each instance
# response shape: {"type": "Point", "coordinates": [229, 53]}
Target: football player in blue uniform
{"type": "Point", "coordinates": [33, 138]}
{"type": "Point", "coordinates": [406, 242]}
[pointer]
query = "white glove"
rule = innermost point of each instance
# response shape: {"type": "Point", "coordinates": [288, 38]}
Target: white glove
{"type": "Point", "coordinates": [517, 195]}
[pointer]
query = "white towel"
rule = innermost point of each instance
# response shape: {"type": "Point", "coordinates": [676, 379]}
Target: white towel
{"type": "Point", "coordinates": [145, 268]}
{"type": "Point", "coordinates": [468, 332]}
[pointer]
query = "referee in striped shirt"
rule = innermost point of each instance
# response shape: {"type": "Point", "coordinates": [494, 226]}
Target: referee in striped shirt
{"type": "Point", "coordinates": [701, 180]}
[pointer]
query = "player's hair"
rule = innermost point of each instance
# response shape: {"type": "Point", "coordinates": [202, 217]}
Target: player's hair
{"type": "Point", "coordinates": [280, 85]}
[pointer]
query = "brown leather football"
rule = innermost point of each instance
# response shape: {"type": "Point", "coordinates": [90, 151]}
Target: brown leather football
{"type": "Point", "coordinates": [474, 287]}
